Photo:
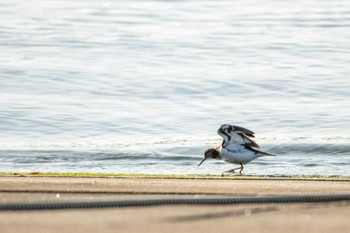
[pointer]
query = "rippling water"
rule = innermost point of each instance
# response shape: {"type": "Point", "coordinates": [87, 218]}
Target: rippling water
{"type": "Point", "coordinates": [142, 86]}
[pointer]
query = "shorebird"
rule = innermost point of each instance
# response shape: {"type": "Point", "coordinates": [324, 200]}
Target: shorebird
{"type": "Point", "coordinates": [237, 147]}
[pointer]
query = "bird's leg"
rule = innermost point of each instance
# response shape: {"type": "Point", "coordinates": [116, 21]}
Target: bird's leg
{"type": "Point", "coordinates": [240, 171]}
{"type": "Point", "coordinates": [233, 170]}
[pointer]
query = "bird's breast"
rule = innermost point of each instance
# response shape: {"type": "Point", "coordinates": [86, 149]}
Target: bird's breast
{"type": "Point", "coordinates": [237, 155]}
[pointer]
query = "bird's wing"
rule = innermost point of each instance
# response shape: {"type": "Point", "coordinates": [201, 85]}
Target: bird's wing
{"type": "Point", "coordinates": [239, 129]}
{"type": "Point", "coordinates": [249, 141]}
{"type": "Point", "coordinates": [237, 134]}
{"type": "Point", "coordinates": [242, 138]}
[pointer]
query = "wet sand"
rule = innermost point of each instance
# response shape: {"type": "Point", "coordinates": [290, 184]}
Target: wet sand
{"type": "Point", "coordinates": [304, 217]}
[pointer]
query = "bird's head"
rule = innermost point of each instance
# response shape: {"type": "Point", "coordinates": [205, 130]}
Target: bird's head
{"type": "Point", "coordinates": [210, 153]}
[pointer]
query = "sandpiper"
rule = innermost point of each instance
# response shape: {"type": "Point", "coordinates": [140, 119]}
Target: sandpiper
{"type": "Point", "coordinates": [237, 147]}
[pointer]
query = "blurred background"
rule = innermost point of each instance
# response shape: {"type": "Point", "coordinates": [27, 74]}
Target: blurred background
{"type": "Point", "coordinates": [143, 86]}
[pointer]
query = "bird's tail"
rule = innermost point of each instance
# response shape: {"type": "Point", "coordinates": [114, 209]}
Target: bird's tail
{"type": "Point", "coordinates": [262, 153]}
{"type": "Point", "coordinates": [258, 151]}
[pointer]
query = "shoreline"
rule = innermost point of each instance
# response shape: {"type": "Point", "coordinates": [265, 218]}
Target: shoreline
{"type": "Point", "coordinates": [172, 176]}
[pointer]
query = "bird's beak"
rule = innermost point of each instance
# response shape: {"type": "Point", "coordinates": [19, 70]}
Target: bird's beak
{"type": "Point", "coordinates": [201, 162]}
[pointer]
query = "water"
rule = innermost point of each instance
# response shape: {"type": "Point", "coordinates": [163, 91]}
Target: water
{"type": "Point", "coordinates": [142, 86]}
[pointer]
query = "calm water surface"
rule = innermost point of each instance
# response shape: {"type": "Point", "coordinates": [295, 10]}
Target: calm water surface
{"type": "Point", "coordinates": [142, 86]}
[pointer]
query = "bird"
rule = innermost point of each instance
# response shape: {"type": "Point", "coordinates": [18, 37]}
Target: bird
{"type": "Point", "coordinates": [237, 147]}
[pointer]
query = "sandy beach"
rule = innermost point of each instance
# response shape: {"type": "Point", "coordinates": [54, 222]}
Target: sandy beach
{"type": "Point", "coordinates": [296, 217]}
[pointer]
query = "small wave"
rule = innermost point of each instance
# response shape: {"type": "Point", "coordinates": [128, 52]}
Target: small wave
{"type": "Point", "coordinates": [46, 156]}
{"type": "Point", "coordinates": [310, 165]}
{"type": "Point", "coordinates": [310, 148]}
{"type": "Point", "coordinates": [141, 156]}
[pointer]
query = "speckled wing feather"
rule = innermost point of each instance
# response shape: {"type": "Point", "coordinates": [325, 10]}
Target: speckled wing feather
{"type": "Point", "coordinates": [243, 130]}
{"type": "Point", "coordinates": [243, 136]}
{"type": "Point", "coordinates": [249, 141]}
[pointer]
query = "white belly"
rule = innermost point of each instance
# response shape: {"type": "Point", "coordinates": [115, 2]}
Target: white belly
{"type": "Point", "coordinates": [237, 154]}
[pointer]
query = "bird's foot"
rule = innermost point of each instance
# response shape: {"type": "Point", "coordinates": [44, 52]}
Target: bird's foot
{"type": "Point", "coordinates": [223, 174]}
{"type": "Point", "coordinates": [232, 171]}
